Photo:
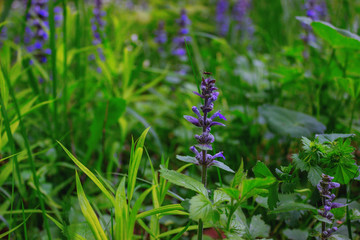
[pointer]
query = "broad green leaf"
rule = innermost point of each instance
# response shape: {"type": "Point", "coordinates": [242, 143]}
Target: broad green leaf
{"type": "Point", "coordinates": [345, 172]}
{"type": "Point", "coordinates": [258, 228]}
{"type": "Point", "coordinates": [290, 123]}
{"type": "Point", "coordinates": [222, 166]}
{"type": "Point", "coordinates": [188, 159]}
{"type": "Point", "coordinates": [220, 196]}
{"type": "Point", "coordinates": [329, 138]}
{"type": "Point", "coordinates": [89, 213]}
{"type": "Point", "coordinates": [323, 219]}
{"type": "Point", "coordinates": [239, 175]}
{"type": "Point", "coordinates": [273, 197]}
{"type": "Point", "coordinates": [254, 186]}
{"type": "Point", "coordinates": [336, 37]}
{"type": "Point", "coordinates": [183, 181]}
{"type": "Point", "coordinates": [296, 234]}
{"type": "Point", "coordinates": [261, 170]}
{"type": "Point", "coordinates": [201, 208]}
{"type": "Point", "coordinates": [89, 174]}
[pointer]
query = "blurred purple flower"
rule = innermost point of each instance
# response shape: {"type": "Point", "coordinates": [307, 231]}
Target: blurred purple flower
{"type": "Point", "coordinates": [244, 24]}
{"type": "Point", "coordinates": [3, 35]}
{"type": "Point", "coordinates": [37, 29]}
{"type": "Point", "coordinates": [97, 27]}
{"type": "Point", "coordinates": [180, 39]}
{"type": "Point", "coordinates": [315, 10]}
{"type": "Point", "coordinates": [161, 36]}
{"type": "Point", "coordinates": [222, 18]}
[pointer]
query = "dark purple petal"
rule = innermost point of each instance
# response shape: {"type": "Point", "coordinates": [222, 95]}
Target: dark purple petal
{"type": "Point", "coordinates": [336, 205]}
{"type": "Point", "coordinates": [334, 185]}
{"type": "Point", "coordinates": [196, 111]}
{"type": "Point", "coordinates": [216, 123]}
{"type": "Point", "coordinates": [192, 120]}
{"type": "Point", "coordinates": [198, 94]}
{"type": "Point", "coordinates": [219, 154]}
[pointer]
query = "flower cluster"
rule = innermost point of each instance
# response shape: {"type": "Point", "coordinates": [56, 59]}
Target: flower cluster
{"type": "Point", "coordinates": [315, 10]}
{"type": "Point", "coordinates": [324, 187]}
{"type": "Point", "coordinates": [241, 16]}
{"type": "Point", "coordinates": [182, 36]}
{"type": "Point", "coordinates": [36, 31]}
{"type": "Point", "coordinates": [160, 35]}
{"type": "Point", "coordinates": [97, 26]}
{"type": "Point", "coordinates": [222, 18]}
{"type": "Point", "coordinates": [209, 94]}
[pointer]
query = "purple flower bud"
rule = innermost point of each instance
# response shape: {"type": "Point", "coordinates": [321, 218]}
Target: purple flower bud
{"type": "Point", "coordinates": [193, 120]}
{"type": "Point", "coordinates": [336, 205]}
{"type": "Point", "coordinates": [334, 185]}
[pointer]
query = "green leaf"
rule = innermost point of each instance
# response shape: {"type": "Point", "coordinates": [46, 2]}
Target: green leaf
{"type": "Point", "coordinates": [293, 206]}
{"type": "Point", "coordinates": [121, 211]}
{"type": "Point", "coordinates": [239, 175]}
{"type": "Point", "coordinates": [162, 209]}
{"type": "Point", "coordinates": [345, 172]}
{"type": "Point", "coordinates": [314, 175]}
{"type": "Point", "coordinates": [232, 192]}
{"type": "Point", "coordinates": [188, 159]}
{"type": "Point", "coordinates": [89, 213]}
{"type": "Point", "coordinates": [220, 196]}
{"type": "Point", "coordinates": [252, 187]}
{"type": "Point", "coordinates": [134, 164]}
{"type": "Point", "coordinates": [261, 170]}
{"type": "Point", "coordinates": [296, 234]}
{"type": "Point", "coordinates": [258, 228]}
{"type": "Point", "coordinates": [222, 166]}
{"type": "Point", "coordinates": [183, 181]}
{"type": "Point", "coordinates": [336, 37]}
{"type": "Point", "coordinates": [322, 219]}
{"type": "Point", "coordinates": [290, 123]}
{"type": "Point", "coordinates": [201, 208]}
{"type": "Point", "coordinates": [273, 197]}
{"type": "Point", "coordinates": [329, 138]}
{"type": "Point", "coordinates": [89, 174]}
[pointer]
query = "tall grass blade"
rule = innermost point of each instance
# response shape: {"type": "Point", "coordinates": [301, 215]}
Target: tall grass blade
{"type": "Point", "coordinates": [89, 213]}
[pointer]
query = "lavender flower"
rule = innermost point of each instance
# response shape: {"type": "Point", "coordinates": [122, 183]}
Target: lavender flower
{"type": "Point", "coordinates": [315, 10]}
{"type": "Point", "coordinates": [222, 18]}
{"type": "Point", "coordinates": [241, 16]}
{"type": "Point", "coordinates": [36, 32]}
{"type": "Point", "coordinates": [324, 187]}
{"type": "Point", "coordinates": [160, 35]}
{"type": "Point", "coordinates": [97, 26]}
{"type": "Point", "coordinates": [209, 94]}
{"type": "Point", "coordinates": [179, 41]}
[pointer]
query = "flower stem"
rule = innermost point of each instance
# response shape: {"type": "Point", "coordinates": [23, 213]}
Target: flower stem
{"type": "Point", "coordinates": [323, 224]}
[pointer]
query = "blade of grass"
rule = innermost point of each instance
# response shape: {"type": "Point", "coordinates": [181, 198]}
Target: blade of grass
{"type": "Point", "coordinates": [89, 174]}
{"type": "Point", "coordinates": [24, 220]}
{"type": "Point", "coordinates": [89, 213]}
{"type": "Point", "coordinates": [121, 212]}
{"type": "Point", "coordinates": [27, 145]}
{"type": "Point", "coordinates": [13, 229]}
{"type": "Point", "coordinates": [53, 65]}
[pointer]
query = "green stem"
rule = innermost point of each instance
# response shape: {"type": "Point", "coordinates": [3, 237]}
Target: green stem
{"type": "Point", "coordinates": [348, 222]}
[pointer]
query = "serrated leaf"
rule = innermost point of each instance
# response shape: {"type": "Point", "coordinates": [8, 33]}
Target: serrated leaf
{"type": "Point", "coordinates": [201, 208]}
{"type": "Point", "coordinates": [220, 196]}
{"type": "Point", "coordinates": [329, 138]}
{"type": "Point", "coordinates": [261, 170]}
{"type": "Point", "coordinates": [273, 197]}
{"type": "Point", "coordinates": [314, 175]}
{"type": "Point", "coordinates": [345, 172]}
{"type": "Point", "coordinates": [258, 228]}
{"type": "Point", "coordinates": [183, 181]}
{"type": "Point", "coordinates": [221, 165]}
{"type": "Point", "coordinates": [188, 159]}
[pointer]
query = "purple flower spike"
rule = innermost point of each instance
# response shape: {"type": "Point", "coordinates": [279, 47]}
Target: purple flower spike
{"type": "Point", "coordinates": [324, 187]}
{"type": "Point", "coordinates": [205, 140]}
{"type": "Point", "coordinates": [97, 27]}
